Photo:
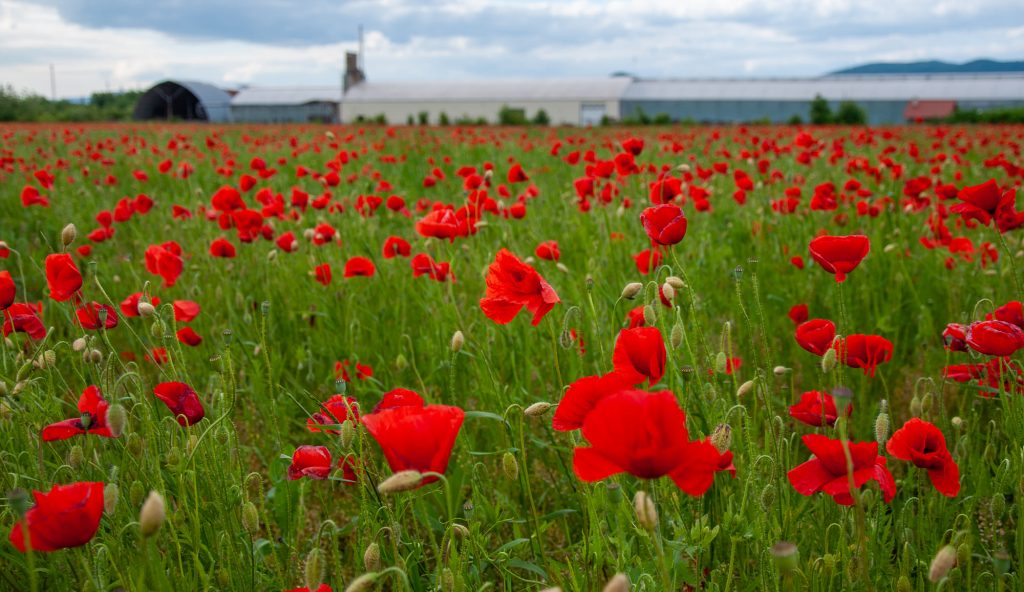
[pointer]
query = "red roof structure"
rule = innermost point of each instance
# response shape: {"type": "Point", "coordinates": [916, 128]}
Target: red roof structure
{"type": "Point", "coordinates": [925, 110]}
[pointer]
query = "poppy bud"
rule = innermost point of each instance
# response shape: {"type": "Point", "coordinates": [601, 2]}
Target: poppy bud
{"type": "Point", "coordinates": [668, 291]}
{"type": "Point", "coordinates": [780, 370]}
{"type": "Point", "coordinates": [117, 418]}
{"type": "Point", "coordinates": [400, 362]}
{"type": "Point", "coordinates": [675, 338]}
{"type": "Point", "coordinates": [631, 290]}
{"type": "Point", "coordinates": [915, 406]}
{"type": "Point", "coordinates": [561, 267]}
{"type": "Point", "coordinates": [146, 310]}
{"type": "Point", "coordinates": [4, 245]}
{"type": "Point", "coordinates": [460, 530]}
{"type": "Point", "coordinates": [94, 356]}
{"type": "Point", "coordinates": [510, 466]}
{"type": "Point", "coordinates": [156, 329]}
{"type": "Point", "coordinates": [722, 437]}
{"type": "Point", "coordinates": [250, 517]}
{"type": "Point", "coordinates": [3, 388]}
{"type": "Point", "coordinates": [135, 493]}
{"type": "Point", "coordinates": [903, 584]}
{"type": "Point", "coordinates": [152, 515]}
{"type": "Point", "coordinates": [458, 340]}
{"type": "Point", "coordinates": [134, 445]}
{"type": "Point", "coordinates": [348, 434]}
{"type": "Point", "coordinates": [828, 361]}
{"type": "Point", "coordinates": [650, 319]}
{"type": "Point", "coordinates": [76, 457]}
{"type": "Point", "coordinates": [79, 344]}
{"type": "Point", "coordinates": [997, 506]}
{"type": "Point", "coordinates": [683, 168]}
{"type": "Point", "coordinates": [745, 389]}
{"type": "Point", "coordinates": [565, 339]}
{"type": "Point", "coordinates": [68, 235]}
{"type": "Point", "coordinates": [944, 561]}
{"type": "Point", "coordinates": [400, 481]}
{"type": "Point", "coordinates": [6, 412]}
{"type": "Point", "coordinates": [272, 255]}
{"type": "Point", "coordinates": [371, 557]}
{"type": "Point", "coordinates": [314, 573]}
{"type": "Point", "coordinates": [767, 497]}
{"type": "Point", "coordinates": [111, 493]}
{"type": "Point", "coordinates": [173, 457]}
{"type": "Point", "coordinates": [618, 583]}
{"type": "Point", "coordinates": [721, 362]}
{"type": "Point", "coordinates": [882, 428]}
{"type": "Point", "coordinates": [537, 409]}
{"type": "Point", "coordinates": [786, 555]}
{"type": "Point", "coordinates": [447, 580]}
{"type": "Point", "coordinates": [646, 513]}
{"type": "Point", "coordinates": [363, 582]}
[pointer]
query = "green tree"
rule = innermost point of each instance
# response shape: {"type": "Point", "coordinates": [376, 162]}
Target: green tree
{"type": "Point", "coordinates": [821, 113]}
{"type": "Point", "coordinates": [510, 116]}
{"type": "Point", "coordinates": [850, 113]}
{"type": "Point", "coordinates": [541, 118]}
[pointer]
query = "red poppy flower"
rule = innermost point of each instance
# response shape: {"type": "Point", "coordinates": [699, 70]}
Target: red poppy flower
{"type": "Point", "coordinates": [513, 285]}
{"type": "Point", "coordinates": [633, 145]}
{"type": "Point", "coordinates": [423, 264]}
{"type": "Point", "coordinates": [516, 174]}
{"type": "Point", "coordinates": [310, 461]}
{"type": "Point", "coordinates": [23, 318]}
{"type": "Point", "coordinates": [359, 267]}
{"type": "Point", "coordinates": [62, 276]}
{"type": "Point", "coordinates": [399, 397]}
{"type": "Point", "coordinates": [839, 255]}
{"type": "Point", "coordinates": [286, 242]}
{"type": "Point", "coordinates": [548, 250]}
{"type": "Point", "coordinates": [798, 314]}
{"type": "Point", "coordinates": [442, 223]}
{"type": "Point", "coordinates": [323, 273]}
{"type": "Point", "coordinates": [864, 351]}
{"type": "Point", "coordinates": [396, 247]}
{"type": "Point", "coordinates": [665, 224]}
{"type": "Point", "coordinates": [828, 471]}
{"type": "Point", "coordinates": [640, 355]}
{"type": "Point", "coordinates": [182, 401]}
{"type": "Point", "coordinates": [1011, 312]}
{"type": "Point", "coordinates": [333, 412]}
{"type": "Point", "coordinates": [644, 434]}
{"type": "Point", "coordinates": [188, 336]}
{"type": "Point", "coordinates": [954, 336]}
{"type": "Point", "coordinates": [647, 261]}
{"type": "Point", "coordinates": [581, 397]}
{"type": "Point", "coordinates": [93, 420]}
{"type": "Point", "coordinates": [816, 335]}
{"type": "Point", "coordinates": [635, 317]}
{"type": "Point", "coordinates": [816, 409]}
{"type": "Point", "coordinates": [416, 438]}
{"type": "Point", "coordinates": [222, 247]}
{"type": "Point", "coordinates": [322, 588]}
{"type": "Point", "coordinates": [165, 260]}
{"type": "Point", "coordinates": [64, 517]}
{"type": "Point", "coordinates": [979, 202]}
{"type": "Point", "coordinates": [995, 338]}
{"type": "Point", "coordinates": [7, 289]}
{"type": "Point", "coordinates": [185, 310]}
{"type": "Point", "coordinates": [91, 314]}
{"type": "Point", "coordinates": [924, 445]}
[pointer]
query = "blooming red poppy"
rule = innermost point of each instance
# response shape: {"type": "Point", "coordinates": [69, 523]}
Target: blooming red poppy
{"type": "Point", "coordinates": [62, 276]}
{"type": "Point", "coordinates": [359, 267]}
{"type": "Point", "coordinates": [323, 273]}
{"type": "Point", "coordinates": [924, 445]}
{"type": "Point", "coordinates": [333, 412]}
{"type": "Point", "coordinates": [513, 285]}
{"type": "Point", "coordinates": [644, 434]}
{"type": "Point", "coordinates": [994, 338]}
{"type": "Point", "coordinates": [665, 224]}
{"type": "Point", "coordinates": [442, 223]}
{"type": "Point", "coordinates": [840, 255]}
{"type": "Point", "coordinates": [581, 397]}
{"type": "Point", "coordinates": [816, 335]}
{"type": "Point", "coordinates": [165, 260]}
{"type": "Point", "coordinates": [954, 336]}
{"type": "Point", "coordinates": [23, 318]}
{"type": "Point", "coordinates": [635, 317]}
{"type": "Point", "coordinates": [647, 261]}
{"type": "Point", "coordinates": [92, 408]}
{"type": "Point", "coordinates": [182, 401]}
{"type": "Point", "coordinates": [798, 314]}
{"type": "Point", "coordinates": [863, 351]}
{"type": "Point", "coordinates": [1011, 312]}
{"type": "Point", "coordinates": [423, 264]}
{"type": "Point", "coordinates": [640, 355]}
{"type": "Point", "coordinates": [185, 310]}
{"type": "Point", "coordinates": [516, 174]}
{"type": "Point", "coordinates": [979, 202]}
{"type": "Point", "coordinates": [7, 289]}
{"type": "Point", "coordinates": [93, 315]}
{"type": "Point", "coordinates": [321, 588]}
{"type": "Point", "coordinates": [222, 247]}
{"type": "Point", "coordinates": [188, 336]}
{"type": "Point", "coordinates": [398, 397]}
{"type": "Point", "coordinates": [286, 242]}
{"type": "Point", "coordinates": [310, 461]}
{"type": "Point", "coordinates": [828, 471]}
{"type": "Point", "coordinates": [414, 437]}
{"type": "Point", "coordinates": [396, 247]}
{"type": "Point", "coordinates": [64, 517]}
{"type": "Point", "coordinates": [816, 409]}
{"type": "Point", "coordinates": [548, 250]}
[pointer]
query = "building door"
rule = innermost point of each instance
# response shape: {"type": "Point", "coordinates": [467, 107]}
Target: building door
{"type": "Point", "coordinates": [591, 113]}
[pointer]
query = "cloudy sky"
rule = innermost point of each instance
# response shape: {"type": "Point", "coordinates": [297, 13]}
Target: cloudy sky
{"type": "Point", "coordinates": [127, 44]}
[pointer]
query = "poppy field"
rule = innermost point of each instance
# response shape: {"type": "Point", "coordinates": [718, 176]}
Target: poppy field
{"type": "Point", "coordinates": [497, 358]}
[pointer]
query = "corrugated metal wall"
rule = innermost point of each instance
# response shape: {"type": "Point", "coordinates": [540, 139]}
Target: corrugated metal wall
{"type": "Point", "coordinates": [726, 111]}
{"type": "Point", "coordinates": [310, 112]}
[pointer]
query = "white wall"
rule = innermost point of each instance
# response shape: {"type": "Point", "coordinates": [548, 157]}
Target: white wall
{"type": "Point", "coordinates": [560, 112]}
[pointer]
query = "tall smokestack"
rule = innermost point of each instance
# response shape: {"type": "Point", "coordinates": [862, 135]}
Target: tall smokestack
{"type": "Point", "coordinates": [353, 73]}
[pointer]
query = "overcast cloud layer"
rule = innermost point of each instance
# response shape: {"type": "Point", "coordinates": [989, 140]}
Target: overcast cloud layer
{"type": "Point", "coordinates": [126, 44]}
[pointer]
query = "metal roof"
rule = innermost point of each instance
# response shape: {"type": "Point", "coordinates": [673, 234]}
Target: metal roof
{"type": "Point", "coordinates": [215, 102]}
{"type": "Point", "coordinates": [960, 87]}
{"type": "Point", "coordinates": [301, 95]}
{"type": "Point", "coordinates": [594, 89]}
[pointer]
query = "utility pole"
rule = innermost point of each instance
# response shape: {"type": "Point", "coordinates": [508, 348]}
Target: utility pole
{"type": "Point", "coordinates": [362, 65]}
{"type": "Point", "coordinates": [53, 83]}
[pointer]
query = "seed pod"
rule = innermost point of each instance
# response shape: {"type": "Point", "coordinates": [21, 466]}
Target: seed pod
{"type": "Point", "coordinates": [646, 512]}
{"type": "Point", "coordinates": [371, 557]}
{"type": "Point", "coordinates": [68, 235]}
{"type": "Point", "coordinates": [631, 290]}
{"type": "Point", "coordinates": [722, 437]}
{"type": "Point", "coordinates": [828, 361]}
{"type": "Point", "coordinates": [250, 518]}
{"type": "Point", "coordinates": [957, 422]}
{"type": "Point", "coordinates": [400, 481]}
{"type": "Point", "coordinates": [117, 419]}
{"type": "Point", "coordinates": [786, 555]}
{"type": "Point", "coordinates": [944, 561]}
{"type": "Point", "coordinates": [510, 466]}
{"type": "Point", "coordinates": [111, 493]}
{"type": "Point", "coordinates": [618, 583]}
{"type": "Point", "coordinates": [458, 339]}
{"type": "Point", "coordinates": [537, 409]}
{"type": "Point", "coordinates": [314, 572]}
{"type": "Point", "coordinates": [152, 515]}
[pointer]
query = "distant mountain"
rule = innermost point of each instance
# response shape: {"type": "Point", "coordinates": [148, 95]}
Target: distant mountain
{"type": "Point", "coordinates": [935, 67]}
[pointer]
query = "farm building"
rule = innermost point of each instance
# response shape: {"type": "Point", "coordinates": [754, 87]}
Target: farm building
{"type": "Point", "coordinates": [573, 102]}
{"type": "Point", "coordinates": [887, 99]}
{"type": "Point", "coordinates": [287, 105]}
{"type": "Point", "coordinates": [184, 99]}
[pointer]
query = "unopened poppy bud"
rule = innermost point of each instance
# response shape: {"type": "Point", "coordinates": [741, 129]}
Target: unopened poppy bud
{"type": "Point", "coordinates": [400, 362]}
{"type": "Point", "coordinates": [683, 168]}
{"type": "Point", "coordinates": [650, 318]}
{"type": "Point", "coordinates": [675, 337]}
{"type": "Point", "coordinates": [146, 310]}
{"type": "Point", "coordinates": [722, 437]}
{"type": "Point", "coordinates": [95, 356]}
{"type": "Point", "coordinates": [79, 344]}
{"type": "Point", "coordinates": [721, 363]}
{"type": "Point", "coordinates": [460, 530]}
{"type": "Point", "coordinates": [371, 557]}
{"type": "Point", "coordinates": [117, 418]}
{"type": "Point", "coordinates": [111, 493]}
{"type": "Point", "coordinates": [882, 428]}
{"type": "Point", "coordinates": [458, 340]}
{"type": "Point", "coordinates": [646, 513]}
{"type": "Point", "coordinates": [561, 267]}
{"type": "Point", "coordinates": [944, 561]}
{"type": "Point", "coordinates": [134, 445]}
{"type": "Point", "coordinates": [156, 329]}
{"type": "Point", "coordinates": [348, 434]}
{"type": "Point", "coordinates": [135, 493]}
{"type": "Point", "coordinates": [510, 466]}
{"type": "Point", "coordinates": [745, 389]}
{"type": "Point", "coordinates": [786, 555]}
{"type": "Point", "coordinates": [152, 515]}
{"type": "Point", "coordinates": [631, 290]}
{"type": "Point", "coordinates": [76, 457]}
{"type": "Point", "coordinates": [3, 245]}
{"type": "Point", "coordinates": [68, 235]}
{"type": "Point", "coordinates": [309, 234]}
{"type": "Point", "coordinates": [997, 506]}
{"type": "Point", "coordinates": [400, 481]}
{"type": "Point", "coordinates": [250, 517]}
{"type": "Point", "coordinates": [889, 248]}
{"type": "Point", "coordinates": [828, 361]}
{"type": "Point", "coordinates": [6, 413]}
{"type": "Point", "coordinates": [3, 388]}
{"type": "Point", "coordinates": [537, 409]}
{"type": "Point", "coordinates": [314, 572]}
{"type": "Point", "coordinates": [668, 291]}
{"type": "Point", "coordinates": [767, 497]}
{"type": "Point", "coordinates": [363, 582]}
{"type": "Point", "coordinates": [915, 406]}
{"type": "Point", "coordinates": [173, 457]}
{"type": "Point", "coordinates": [676, 282]}
{"type": "Point", "coordinates": [272, 255]}
{"type": "Point", "coordinates": [565, 339]}
{"type": "Point", "coordinates": [50, 357]}
{"type": "Point", "coordinates": [447, 580]}
{"type": "Point", "coordinates": [903, 584]}
{"type": "Point", "coordinates": [780, 370]}
{"type": "Point", "coordinates": [618, 583]}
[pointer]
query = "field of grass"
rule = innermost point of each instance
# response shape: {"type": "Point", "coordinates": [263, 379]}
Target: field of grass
{"type": "Point", "coordinates": [639, 498]}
